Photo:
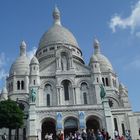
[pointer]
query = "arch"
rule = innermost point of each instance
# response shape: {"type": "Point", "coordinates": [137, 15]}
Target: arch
{"type": "Point", "coordinates": [115, 102]}
{"type": "Point", "coordinates": [103, 80]}
{"type": "Point", "coordinates": [106, 81]}
{"type": "Point", "coordinates": [22, 84]}
{"type": "Point", "coordinates": [93, 122]}
{"type": "Point", "coordinates": [70, 125]}
{"type": "Point", "coordinates": [79, 82]}
{"type": "Point", "coordinates": [18, 85]}
{"type": "Point", "coordinates": [48, 126]}
{"type": "Point", "coordinates": [66, 86]}
{"type": "Point", "coordinates": [48, 91]}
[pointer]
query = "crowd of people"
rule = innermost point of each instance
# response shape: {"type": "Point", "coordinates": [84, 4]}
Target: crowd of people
{"type": "Point", "coordinates": [89, 135]}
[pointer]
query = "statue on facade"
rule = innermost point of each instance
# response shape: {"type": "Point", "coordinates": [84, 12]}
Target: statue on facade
{"type": "Point", "coordinates": [33, 95]}
{"type": "Point", "coordinates": [64, 63]}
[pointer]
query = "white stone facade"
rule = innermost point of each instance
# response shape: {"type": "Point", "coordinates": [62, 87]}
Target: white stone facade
{"type": "Point", "coordinates": [67, 90]}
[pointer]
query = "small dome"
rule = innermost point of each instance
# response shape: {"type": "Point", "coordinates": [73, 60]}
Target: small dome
{"type": "Point", "coordinates": [34, 60]}
{"type": "Point", "coordinates": [105, 64]}
{"type": "Point", "coordinates": [20, 66]}
{"type": "Point", "coordinates": [93, 59]}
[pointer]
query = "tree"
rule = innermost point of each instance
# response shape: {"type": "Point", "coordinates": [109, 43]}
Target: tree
{"type": "Point", "coordinates": [11, 116]}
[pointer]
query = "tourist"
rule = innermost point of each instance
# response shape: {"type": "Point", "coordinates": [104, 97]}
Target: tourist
{"type": "Point", "coordinates": [4, 136]}
{"type": "Point", "coordinates": [84, 134]}
{"type": "Point", "coordinates": [46, 136]}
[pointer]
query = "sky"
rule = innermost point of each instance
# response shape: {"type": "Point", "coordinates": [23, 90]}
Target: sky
{"type": "Point", "coordinates": [115, 23]}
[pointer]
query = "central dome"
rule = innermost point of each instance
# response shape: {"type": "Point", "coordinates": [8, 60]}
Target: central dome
{"type": "Point", "coordinates": [57, 34]}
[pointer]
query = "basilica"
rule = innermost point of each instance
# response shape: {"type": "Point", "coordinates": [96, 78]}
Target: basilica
{"type": "Point", "coordinates": [59, 92]}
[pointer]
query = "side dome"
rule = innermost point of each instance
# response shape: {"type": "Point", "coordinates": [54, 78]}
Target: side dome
{"type": "Point", "coordinates": [105, 64]}
{"type": "Point", "coordinates": [34, 60]}
{"type": "Point", "coordinates": [93, 59]}
{"type": "Point", "coordinates": [21, 64]}
{"type": "Point", "coordinates": [57, 34]}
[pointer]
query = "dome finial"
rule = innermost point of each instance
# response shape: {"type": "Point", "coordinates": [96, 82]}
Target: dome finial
{"type": "Point", "coordinates": [23, 48]}
{"type": "Point", "coordinates": [96, 46]}
{"type": "Point", "coordinates": [56, 16]}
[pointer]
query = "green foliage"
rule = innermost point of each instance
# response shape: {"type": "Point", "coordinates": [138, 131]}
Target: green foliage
{"type": "Point", "coordinates": [11, 116]}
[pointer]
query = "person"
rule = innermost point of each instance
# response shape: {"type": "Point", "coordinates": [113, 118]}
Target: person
{"type": "Point", "coordinates": [46, 136]}
{"type": "Point", "coordinates": [116, 134]}
{"type": "Point", "coordinates": [4, 136]}
{"type": "Point", "coordinates": [84, 134]}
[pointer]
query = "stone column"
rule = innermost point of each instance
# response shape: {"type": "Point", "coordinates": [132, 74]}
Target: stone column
{"type": "Point", "coordinates": [110, 80]}
{"type": "Point", "coordinates": [32, 123]}
{"type": "Point", "coordinates": [58, 96]}
{"type": "Point", "coordinates": [108, 117]}
{"type": "Point", "coordinates": [74, 96]}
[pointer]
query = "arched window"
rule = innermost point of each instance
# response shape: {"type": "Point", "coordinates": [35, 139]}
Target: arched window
{"type": "Point", "coordinates": [103, 81]}
{"type": "Point", "coordinates": [85, 97]}
{"type": "Point", "coordinates": [18, 85]}
{"type": "Point", "coordinates": [123, 129]}
{"type": "Point", "coordinates": [66, 85]}
{"type": "Point", "coordinates": [48, 94]}
{"type": "Point", "coordinates": [97, 79]}
{"type": "Point", "coordinates": [106, 80]}
{"type": "Point", "coordinates": [22, 84]}
{"type": "Point", "coordinates": [34, 82]}
{"type": "Point", "coordinates": [115, 124]}
{"type": "Point", "coordinates": [48, 99]}
{"type": "Point", "coordinates": [84, 92]}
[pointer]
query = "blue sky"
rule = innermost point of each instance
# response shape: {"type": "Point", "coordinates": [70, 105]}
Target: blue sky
{"type": "Point", "coordinates": [115, 23]}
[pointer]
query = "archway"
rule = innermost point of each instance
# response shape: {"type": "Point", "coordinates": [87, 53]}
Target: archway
{"type": "Point", "coordinates": [48, 126]}
{"type": "Point", "coordinates": [93, 123]}
{"type": "Point", "coordinates": [70, 126]}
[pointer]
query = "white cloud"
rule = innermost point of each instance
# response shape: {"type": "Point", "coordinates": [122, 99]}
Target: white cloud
{"type": "Point", "coordinates": [31, 53]}
{"type": "Point", "coordinates": [134, 64]}
{"type": "Point", "coordinates": [3, 62]}
{"type": "Point", "coordinates": [132, 21]}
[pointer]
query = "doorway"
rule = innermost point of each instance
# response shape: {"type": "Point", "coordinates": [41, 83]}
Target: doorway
{"type": "Point", "coordinates": [93, 123]}
{"type": "Point", "coordinates": [48, 126]}
{"type": "Point", "coordinates": [70, 126]}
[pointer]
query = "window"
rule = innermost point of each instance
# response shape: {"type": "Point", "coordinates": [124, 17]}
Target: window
{"type": "Point", "coordinates": [48, 99]}
{"type": "Point", "coordinates": [66, 89]}
{"type": "Point", "coordinates": [18, 85]}
{"type": "Point", "coordinates": [103, 81]}
{"type": "Point", "coordinates": [85, 97]}
{"type": "Point", "coordinates": [52, 48]}
{"type": "Point", "coordinates": [115, 124]}
{"type": "Point", "coordinates": [123, 129]}
{"type": "Point", "coordinates": [34, 82]}
{"type": "Point", "coordinates": [22, 84]}
{"type": "Point", "coordinates": [106, 79]}
{"type": "Point", "coordinates": [97, 80]}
